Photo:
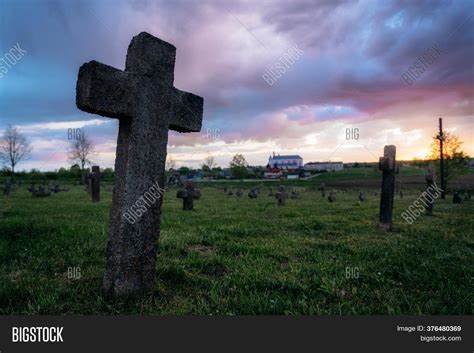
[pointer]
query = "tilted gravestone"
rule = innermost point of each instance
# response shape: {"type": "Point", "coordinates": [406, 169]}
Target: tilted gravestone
{"type": "Point", "coordinates": [387, 164]}
{"type": "Point", "coordinates": [281, 195]}
{"type": "Point", "coordinates": [332, 196]}
{"type": "Point", "coordinates": [42, 191]}
{"type": "Point", "coordinates": [189, 194]}
{"type": "Point", "coordinates": [143, 99]}
{"type": "Point", "coordinates": [253, 193]}
{"type": "Point", "coordinates": [295, 194]}
{"type": "Point", "coordinates": [430, 180]}
{"type": "Point", "coordinates": [94, 178]}
{"type": "Point", "coordinates": [55, 188]}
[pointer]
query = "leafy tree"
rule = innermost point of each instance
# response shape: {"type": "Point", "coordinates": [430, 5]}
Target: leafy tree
{"type": "Point", "coordinates": [183, 171]}
{"type": "Point", "coordinates": [455, 160]}
{"type": "Point", "coordinates": [75, 168]}
{"type": "Point", "coordinates": [238, 166]}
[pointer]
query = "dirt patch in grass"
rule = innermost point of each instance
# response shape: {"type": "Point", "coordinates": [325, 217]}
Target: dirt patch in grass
{"type": "Point", "coordinates": [200, 249]}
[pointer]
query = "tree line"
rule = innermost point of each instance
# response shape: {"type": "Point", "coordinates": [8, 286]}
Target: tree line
{"type": "Point", "coordinates": [15, 148]}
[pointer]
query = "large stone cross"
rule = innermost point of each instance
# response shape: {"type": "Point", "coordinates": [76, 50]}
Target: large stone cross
{"type": "Point", "coordinates": [143, 99]}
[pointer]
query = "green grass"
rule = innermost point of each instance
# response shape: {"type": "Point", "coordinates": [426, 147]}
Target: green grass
{"type": "Point", "coordinates": [242, 256]}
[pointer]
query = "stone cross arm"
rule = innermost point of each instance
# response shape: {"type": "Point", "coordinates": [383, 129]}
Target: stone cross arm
{"type": "Point", "coordinates": [104, 90]}
{"type": "Point", "coordinates": [144, 88]}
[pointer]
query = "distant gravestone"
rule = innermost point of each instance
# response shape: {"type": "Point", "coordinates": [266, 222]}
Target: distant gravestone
{"type": "Point", "coordinates": [430, 180]}
{"type": "Point", "coordinates": [401, 194]}
{"type": "Point", "coordinates": [7, 187]}
{"type": "Point", "coordinates": [281, 195]}
{"type": "Point", "coordinates": [456, 197]}
{"type": "Point", "coordinates": [95, 183]}
{"type": "Point", "coordinates": [295, 194]}
{"type": "Point", "coordinates": [143, 99]}
{"type": "Point", "coordinates": [322, 188]}
{"type": "Point", "coordinates": [238, 193]}
{"type": "Point", "coordinates": [42, 191]}
{"type": "Point", "coordinates": [253, 194]}
{"type": "Point", "coordinates": [230, 193]}
{"type": "Point", "coordinates": [361, 196]}
{"type": "Point", "coordinates": [467, 195]}
{"type": "Point", "coordinates": [88, 183]}
{"type": "Point", "coordinates": [332, 196]}
{"type": "Point", "coordinates": [387, 164]}
{"type": "Point", "coordinates": [189, 194]}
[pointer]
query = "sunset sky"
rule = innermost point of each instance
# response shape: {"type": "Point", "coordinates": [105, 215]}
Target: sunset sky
{"type": "Point", "coordinates": [349, 75]}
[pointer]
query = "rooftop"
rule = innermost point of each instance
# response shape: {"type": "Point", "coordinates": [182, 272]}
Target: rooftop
{"type": "Point", "coordinates": [295, 156]}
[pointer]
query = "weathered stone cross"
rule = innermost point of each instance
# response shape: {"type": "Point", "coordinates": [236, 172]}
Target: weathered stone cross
{"type": "Point", "coordinates": [189, 194]}
{"type": "Point", "coordinates": [281, 196]}
{"type": "Point", "coordinates": [388, 165]}
{"type": "Point", "coordinates": [146, 104]}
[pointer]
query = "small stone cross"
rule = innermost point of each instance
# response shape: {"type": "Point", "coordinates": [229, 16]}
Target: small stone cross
{"type": "Point", "coordinates": [281, 195]}
{"type": "Point", "coordinates": [189, 194]}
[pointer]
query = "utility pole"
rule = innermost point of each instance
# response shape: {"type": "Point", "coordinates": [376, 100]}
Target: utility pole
{"type": "Point", "coordinates": [441, 159]}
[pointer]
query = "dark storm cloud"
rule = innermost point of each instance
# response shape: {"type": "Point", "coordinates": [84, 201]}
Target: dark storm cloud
{"type": "Point", "coordinates": [354, 56]}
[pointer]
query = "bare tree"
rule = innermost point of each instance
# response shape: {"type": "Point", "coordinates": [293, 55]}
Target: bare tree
{"type": "Point", "coordinates": [209, 162]}
{"type": "Point", "coordinates": [14, 147]}
{"type": "Point", "coordinates": [81, 150]}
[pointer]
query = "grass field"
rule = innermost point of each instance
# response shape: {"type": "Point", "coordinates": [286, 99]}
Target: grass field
{"type": "Point", "coordinates": [243, 256]}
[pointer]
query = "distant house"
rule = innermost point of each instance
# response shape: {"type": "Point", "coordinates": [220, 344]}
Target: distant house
{"type": "Point", "coordinates": [288, 162]}
{"type": "Point", "coordinates": [272, 173]}
{"type": "Point", "coordinates": [326, 166]}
